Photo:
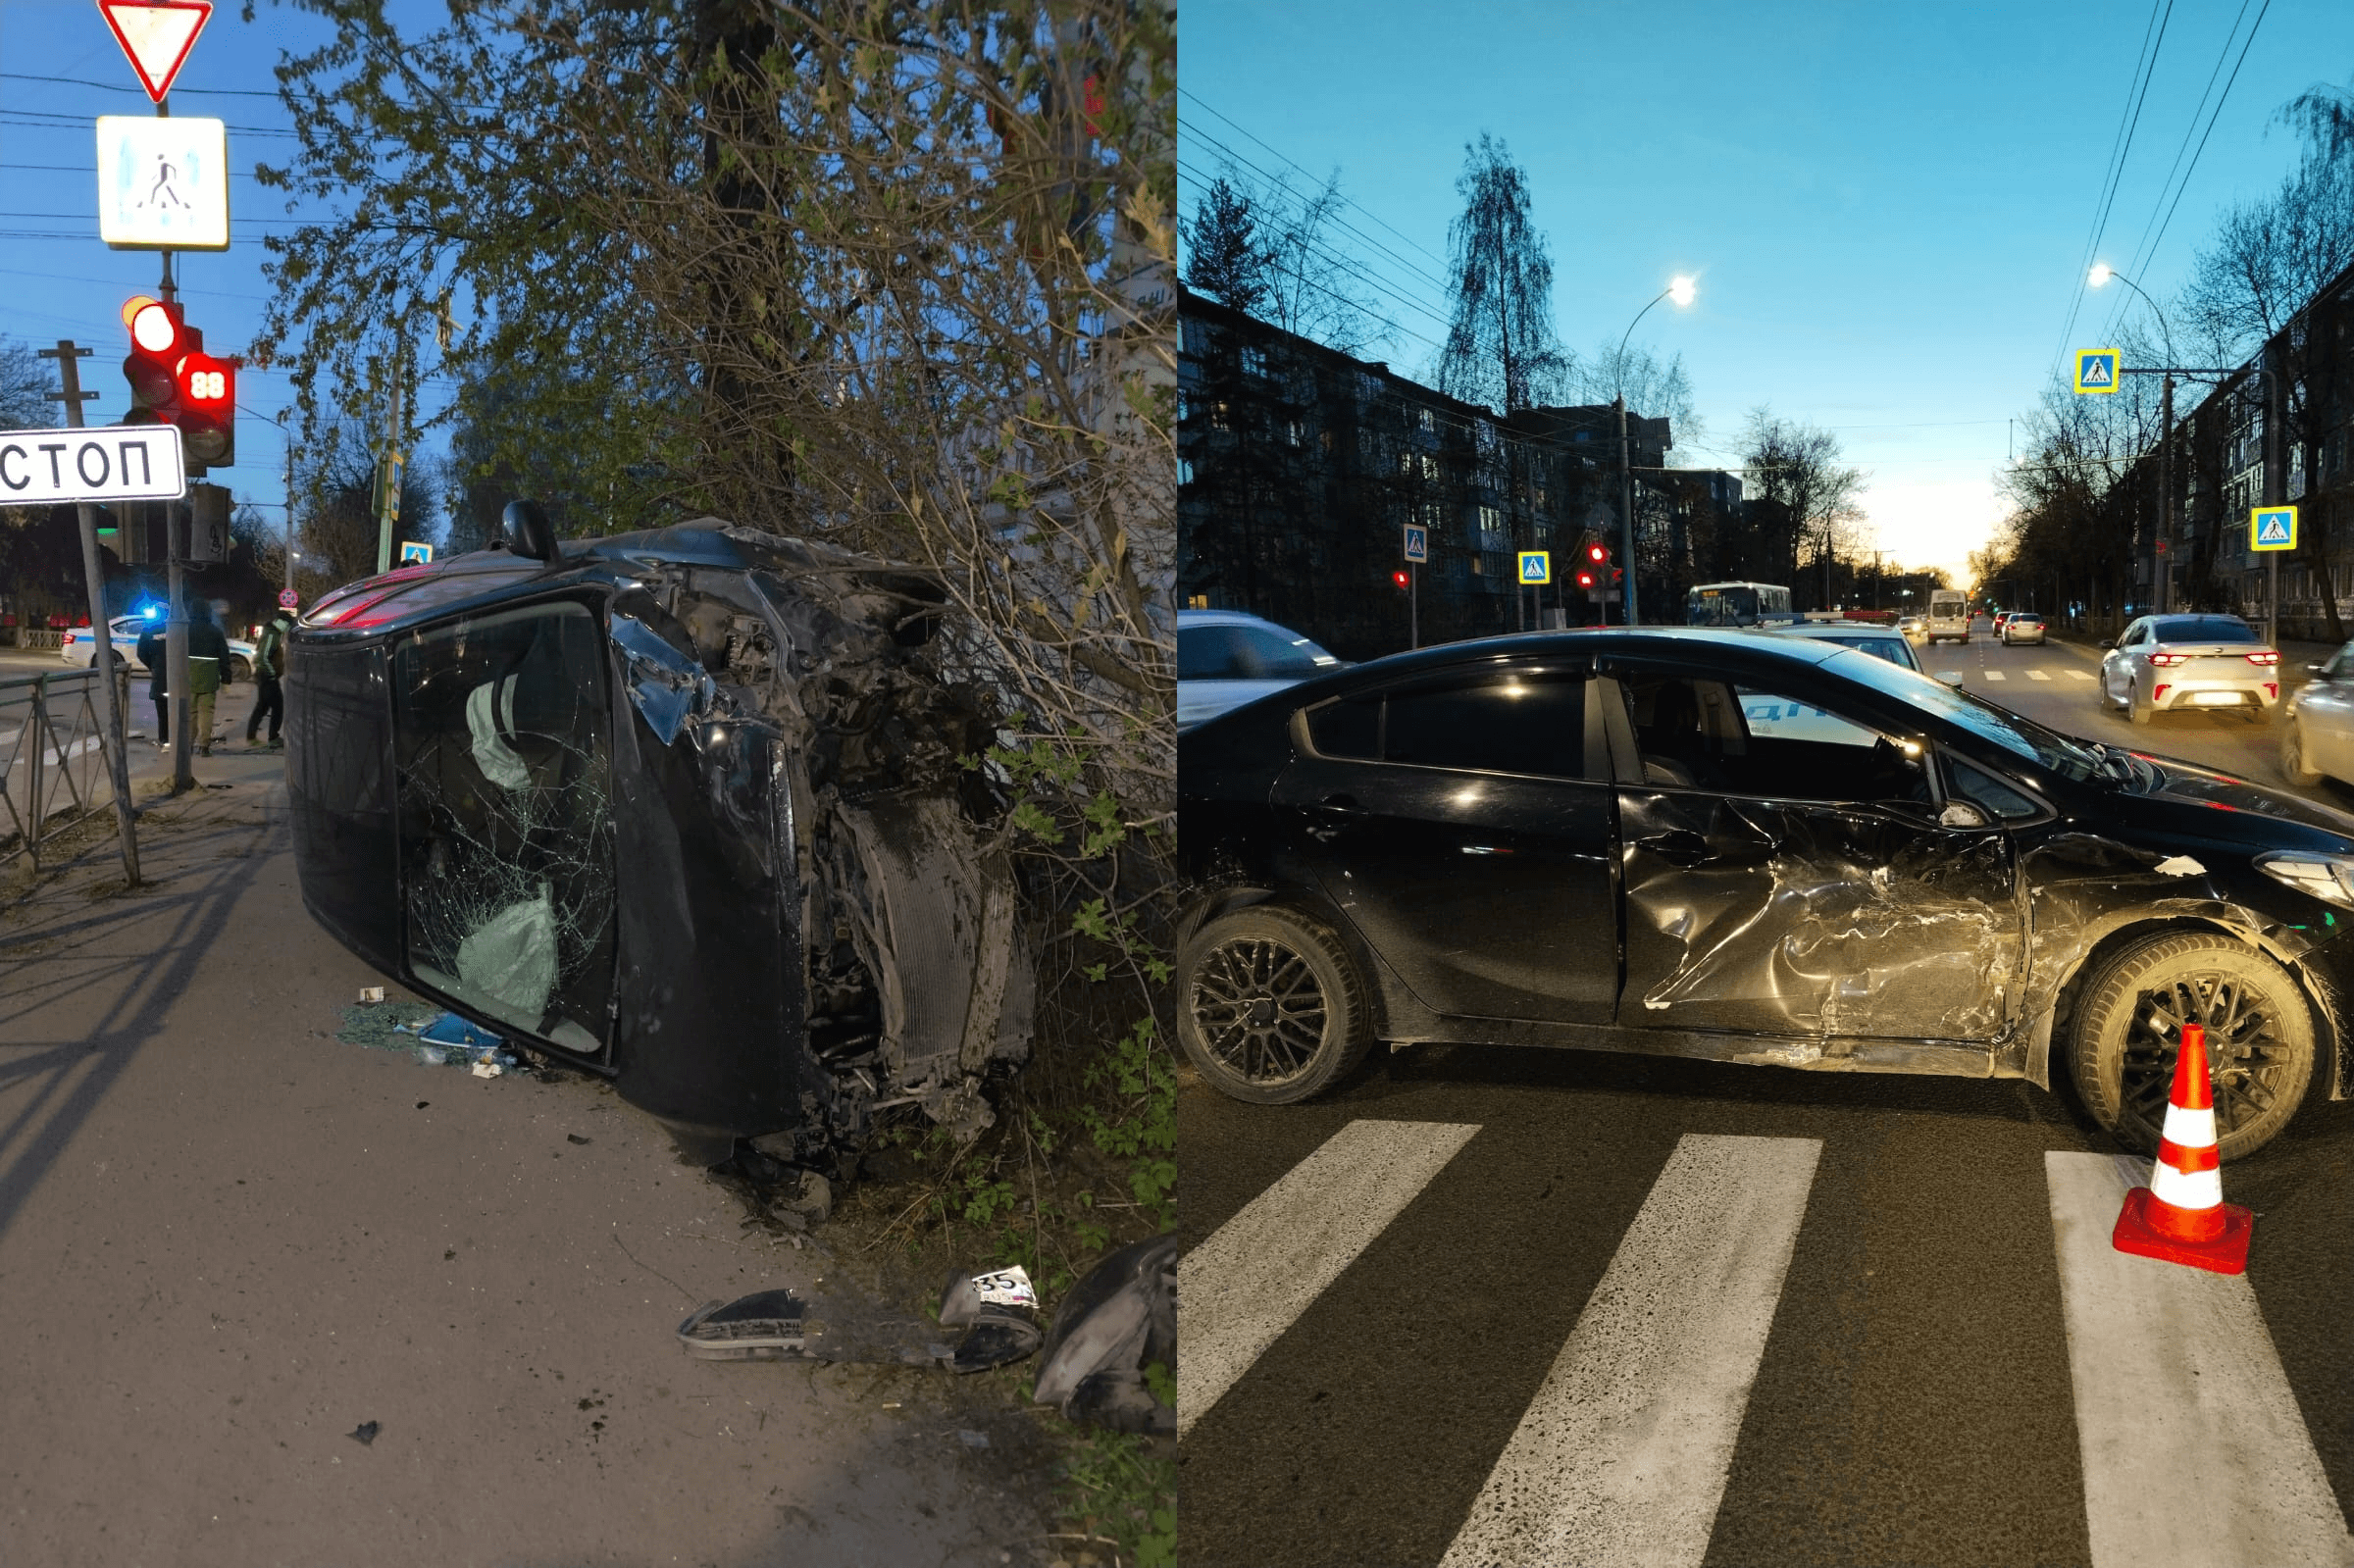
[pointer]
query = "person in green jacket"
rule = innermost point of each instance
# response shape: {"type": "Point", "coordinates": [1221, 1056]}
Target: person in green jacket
{"type": "Point", "coordinates": [269, 669]}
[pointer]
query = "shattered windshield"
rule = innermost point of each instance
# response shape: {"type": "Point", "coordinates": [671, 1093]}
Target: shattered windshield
{"type": "Point", "coordinates": [2074, 759]}
{"type": "Point", "coordinates": [504, 757]}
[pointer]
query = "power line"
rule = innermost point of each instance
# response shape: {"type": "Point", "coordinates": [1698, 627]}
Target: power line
{"type": "Point", "coordinates": [111, 86]}
{"type": "Point", "coordinates": [1183, 93]}
{"type": "Point", "coordinates": [2211, 120]}
{"type": "Point", "coordinates": [2145, 65]}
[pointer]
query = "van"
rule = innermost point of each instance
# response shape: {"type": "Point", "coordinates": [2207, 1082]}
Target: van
{"type": "Point", "coordinates": [1949, 615]}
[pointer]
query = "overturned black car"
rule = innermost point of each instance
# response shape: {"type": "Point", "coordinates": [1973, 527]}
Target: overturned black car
{"type": "Point", "coordinates": [686, 808]}
{"type": "Point", "coordinates": [1746, 849]}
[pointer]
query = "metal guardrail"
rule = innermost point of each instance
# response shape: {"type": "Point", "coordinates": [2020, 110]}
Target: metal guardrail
{"type": "Point", "coordinates": [53, 771]}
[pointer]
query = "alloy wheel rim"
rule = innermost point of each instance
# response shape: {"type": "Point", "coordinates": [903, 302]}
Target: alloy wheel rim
{"type": "Point", "coordinates": [1261, 1009]}
{"type": "Point", "coordinates": [2247, 1060]}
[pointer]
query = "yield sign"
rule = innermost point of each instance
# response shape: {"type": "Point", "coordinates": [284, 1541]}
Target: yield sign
{"type": "Point", "coordinates": [157, 35]}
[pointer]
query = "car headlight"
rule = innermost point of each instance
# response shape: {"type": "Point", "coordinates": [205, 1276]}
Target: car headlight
{"type": "Point", "coordinates": [2330, 878]}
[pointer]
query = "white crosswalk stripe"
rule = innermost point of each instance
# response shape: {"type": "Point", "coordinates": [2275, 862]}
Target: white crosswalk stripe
{"type": "Point", "coordinates": [2081, 674]}
{"type": "Point", "coordinates": [1239, 1290]}
{"type": "Point", "coordinates": [2039, 675]}
{"type": "Point", "coordinates": [2194, 1448]}
{"type": "Point", "coordinates": [1622, 1455]}
{"type": "Point", "coordinates": [1996, 675]}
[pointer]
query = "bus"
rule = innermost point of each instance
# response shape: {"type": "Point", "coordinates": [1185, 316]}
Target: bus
{"type": "Point", "coordinates": [1735, 604]}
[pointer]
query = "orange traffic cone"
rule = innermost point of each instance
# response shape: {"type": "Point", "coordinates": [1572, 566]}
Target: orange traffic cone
{"type": "Point", "coordinates": [2182, 1216]}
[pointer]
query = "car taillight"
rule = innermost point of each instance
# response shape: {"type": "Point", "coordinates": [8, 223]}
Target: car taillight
{"type": "Point", "coordinates": [2170, 658]}
{"type": "Point", "coordinates": [2265, 657]}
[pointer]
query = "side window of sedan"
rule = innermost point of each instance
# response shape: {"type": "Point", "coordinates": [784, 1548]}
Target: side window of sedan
{"type": "Point", "coordinates": [1700, 733]}
{"type": "Point", "coordinates": [1516, 723]}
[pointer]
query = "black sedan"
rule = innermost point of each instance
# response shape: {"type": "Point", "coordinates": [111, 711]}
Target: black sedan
{"type": "Point", "coordinates": [1746, 849]}
{"type": "Point", "coordinates": [686, 808]}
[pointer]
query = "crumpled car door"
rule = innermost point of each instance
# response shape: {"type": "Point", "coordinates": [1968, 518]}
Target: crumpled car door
{"type": "Point", "coordinates": [1752, 908]}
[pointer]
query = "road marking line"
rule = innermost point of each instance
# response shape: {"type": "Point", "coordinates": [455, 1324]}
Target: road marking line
{"type": "Point", "coordinates": [2039, 675]}
{"type": "Point", "coordinates": [1621, 1456]}
{"type": "Point", "coordinates": [2194, 1450]}
{"type": "Point", "coordinates": [1996, 675]}
{"type": "Point", "coordinates": [1237, 1291]}
{"type": "Point", "coordinates": [2081, 674]}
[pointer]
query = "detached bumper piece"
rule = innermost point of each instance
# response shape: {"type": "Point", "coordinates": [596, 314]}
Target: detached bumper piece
{"type": "Point", "coordinates": [766, 1325]}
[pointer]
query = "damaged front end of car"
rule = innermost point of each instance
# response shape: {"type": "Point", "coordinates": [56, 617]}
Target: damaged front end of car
{"type": "Point", "coordinates": [690, 808]}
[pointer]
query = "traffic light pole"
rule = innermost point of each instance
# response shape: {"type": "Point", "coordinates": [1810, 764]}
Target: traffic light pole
{"type": "Point", "coordinates": [68, 375]}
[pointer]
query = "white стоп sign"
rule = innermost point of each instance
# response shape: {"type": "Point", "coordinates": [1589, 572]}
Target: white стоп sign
{"type": "Point", "coordinates": [108, 463]}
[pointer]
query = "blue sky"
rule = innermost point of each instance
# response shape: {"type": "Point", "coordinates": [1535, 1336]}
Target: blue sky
{"type": "Point", "coordinates": [1888, 206]}
{"type": "Point", "coordinates": [60, 67]}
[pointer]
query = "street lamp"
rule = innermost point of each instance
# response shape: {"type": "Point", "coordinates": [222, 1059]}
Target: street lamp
{"type": "Point", "coordinates": [2099, 278]}
{"type": "Point", "coordinates": [1680, 290]}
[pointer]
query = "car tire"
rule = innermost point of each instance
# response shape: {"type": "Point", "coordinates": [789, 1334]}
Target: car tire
{"type": "Point", "coordinates": [1271, 1007]}
{"type": "Point", "coordinates": [2138, 708]}
{"type": "Point", "coordinates": [2260, 1038]}
{"type": "Point", "coordinates": [2293, 765]}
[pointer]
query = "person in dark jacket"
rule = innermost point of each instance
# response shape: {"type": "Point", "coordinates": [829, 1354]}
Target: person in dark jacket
{"type": "Point", "coordinates": [208, 667]}
{"type": "Point", "coordinates": [269, 669]}
{"type": "Point", "coordinates": [151, 654]}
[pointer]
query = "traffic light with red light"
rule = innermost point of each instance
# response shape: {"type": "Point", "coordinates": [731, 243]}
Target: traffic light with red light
{"type": "Point", "coordinates": [208, 408]}
{"type": "Point", "coordinates": [1585, 576]}
{"type": "Point", "coordinates": [158, 340]}
{"type": "Point", "coordinates": [1402, 580]}
{"type": "Point", "coordinates": [175, 381]}
{"type": "Point", "coordinates": [1598, 553]}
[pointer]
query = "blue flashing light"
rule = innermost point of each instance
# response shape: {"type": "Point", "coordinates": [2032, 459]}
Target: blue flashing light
{"type": "Point", "coordinates": [152, 611]}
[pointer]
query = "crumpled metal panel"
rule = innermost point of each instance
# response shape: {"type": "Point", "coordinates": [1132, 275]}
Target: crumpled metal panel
{"type": "Point", "coordinates": [665, 687]}
{"type": "Point", "coordinates": [1810, 921]}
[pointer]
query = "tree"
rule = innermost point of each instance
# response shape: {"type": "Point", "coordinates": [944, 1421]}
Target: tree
{"type": "Point", "coordinates": [1227, 260]}
{"type": "Point", "coordinates": [27, 389]}
{"type": "Point", "coordinates": [898, 276]}
{"type": "Point", "coordinates": [1656, 389]}
{"type": "Point", "coordinates": [1501, 348]}
{"type": "Point", "coordinates": [1795, 471]}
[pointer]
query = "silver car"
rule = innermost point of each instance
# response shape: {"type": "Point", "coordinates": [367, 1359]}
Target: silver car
{"type": "Point", "coordinates": [2317, 738]}
{"type": "Point", "coordinates": [2024, 626]}
{"type": "Point", "coordinates": [1226, 658]}
{"type": "Point", "coordinates": [2191, 661]}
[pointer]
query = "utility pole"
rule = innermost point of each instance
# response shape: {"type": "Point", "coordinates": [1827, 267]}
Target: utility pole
{"type": "Point", "coordinates": [2275, 403]}
{"type": "Point", "coordinates": [1626, 505]}
{"type": "Point", "coordinates": [2166, 495]}
{"type": "Point", "coordinates": [69, 374]}
{"type": "Point", "coordinates": [281, 427]}
{"type": "Point", "coordinates": [389, 512]}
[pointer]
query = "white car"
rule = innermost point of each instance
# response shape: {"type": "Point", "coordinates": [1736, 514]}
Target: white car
{"type": "Point", "coordinates": [1226, 658]}
{"type": "Point", "coordinates": [2024, 625]}
{"type": "Point", "coordinates": [81, 649]}
{"type": "Point", "coordinates": [2317, 731]}
{"type": "Point", "coordinates": [2191, 661]}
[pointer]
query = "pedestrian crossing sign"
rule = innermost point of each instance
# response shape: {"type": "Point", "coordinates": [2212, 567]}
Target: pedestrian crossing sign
{"type": "Point", "coordinates": [1536, 565]}
{"type": "Point", "coordinates": [1417, 542]}
{"type": "Point", "coordinates": [2096, 369]}
{"type": "Point", "coordinates": [2273, 527]}
{"type": "Point", "coordinates": [412, 553]}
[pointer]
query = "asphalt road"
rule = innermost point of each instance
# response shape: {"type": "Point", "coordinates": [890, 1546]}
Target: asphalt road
{"type": "Point", "coordinates": [1491, 1306]}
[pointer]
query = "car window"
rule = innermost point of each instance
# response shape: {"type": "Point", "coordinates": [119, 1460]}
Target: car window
{"type": "Point", "coordinates": [1975, 785]}
{"type": "Point", "coordinates": [1526, 724]}
{"type": "Point", "coordinates": [1696, 733]}
{"type": "Point", "coordinates": [1246, 653]}
{"type": "Point", "coordinates": [1350, 728]}
{"type": "Point", "coordinates": [2339, 665]}
{"type": "Point", "coordinates": [2135, 634]}
{"type": "Point", "coordinates": [2205, 628]}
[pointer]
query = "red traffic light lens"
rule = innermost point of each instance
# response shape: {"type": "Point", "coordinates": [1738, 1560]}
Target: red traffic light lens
{"type": "Point", "coordinates": [1596, 553]}
{"type": "Point", "coordinates": [1585, 579]}
{"type": "Point", "coordinates": [207, 382]}
{"type": "Point", "coordinates": [1398, 578]}
{"type": "Point", "coordinates": [154, 325]}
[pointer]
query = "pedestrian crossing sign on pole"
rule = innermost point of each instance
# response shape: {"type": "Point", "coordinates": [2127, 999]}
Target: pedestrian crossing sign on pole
{"type": "Point", "coordinates": [2096, 369]}
{"type": "Point", "coordinates": [1417, 542]}
{"type": "Point", "coordinates": [1536, 566]}
{"type": "Point", "coordinates": [2273, 527]}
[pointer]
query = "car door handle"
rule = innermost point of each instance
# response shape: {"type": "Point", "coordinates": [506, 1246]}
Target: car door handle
{"type": "Point", "coordinates": [1678, 846]}
{"type": "Point", "coordinates": [1339, 806]}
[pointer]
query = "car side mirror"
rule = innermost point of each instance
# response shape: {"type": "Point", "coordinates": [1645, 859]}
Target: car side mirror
{"type": "Point", "coordinates": [2109, 643]}
{"type": "Point", "coordinates": [1960, 814]}
{"type": "Point", "coordinates": [1951, 677]}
